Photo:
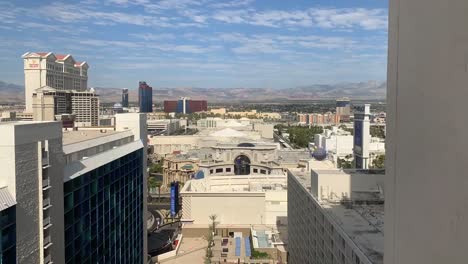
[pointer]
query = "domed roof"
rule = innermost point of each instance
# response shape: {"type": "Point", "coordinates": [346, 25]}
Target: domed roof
{"type": "Point", "coordinates": [319, 154]}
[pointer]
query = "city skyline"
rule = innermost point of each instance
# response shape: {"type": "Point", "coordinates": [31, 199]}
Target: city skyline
{"type": "Point", "coordinates": [203, 43]}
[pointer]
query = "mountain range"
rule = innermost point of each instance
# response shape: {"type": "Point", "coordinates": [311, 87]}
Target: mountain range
{"type": "Point", "coordinates": [13, 93]}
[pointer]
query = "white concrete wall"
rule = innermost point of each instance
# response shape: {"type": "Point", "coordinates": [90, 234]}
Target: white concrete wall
{"type": "Point", "coordinates": [426, 186]}
{"type": "Point", "coordinates": [231, 209]}
{"type": "Point", "coordinates": [276, 207]}
{"type": "Point", "coordinates": [335, 186]}
{"type": "Point", "coordinates": [168, 144]}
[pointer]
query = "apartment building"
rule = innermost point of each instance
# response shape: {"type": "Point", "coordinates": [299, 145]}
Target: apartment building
{"type": "Point", "coordinates": [85, 107]}
{"type": "Point", "coordinates": [48, 103]}
{"type": "Point", "coordinates": [80, 195]}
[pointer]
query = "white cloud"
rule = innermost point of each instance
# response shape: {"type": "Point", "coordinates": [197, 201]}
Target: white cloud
{"type": "Point", "coordinates": [68, 13]}
{"type": "Point", "coordinates": [110, 43]}
{"type": "Point", "coordinates": [368, 19]}
{"type": "Point", "coordinates": [153, 37]}
{"type": "Point", "coordinates": [230, 4]}
{"type": "Point", "coordinates": [232, 16]}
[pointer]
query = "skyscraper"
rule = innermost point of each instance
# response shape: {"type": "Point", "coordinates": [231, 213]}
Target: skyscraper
{"type": "Point", "coordinates": [59, 71]}
{"type": "Point", "coordinates": [73, 196]}
{"type": "Point", "coordinates": [145, 97]}
{"type": "Point", "coordinates": [124, 97]}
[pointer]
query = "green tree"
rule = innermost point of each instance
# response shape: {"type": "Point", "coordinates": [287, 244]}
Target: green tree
{"type": "Point", "coordinates": [301, 136]}
{"type": "Point", "coordinates": [345, 164]}
{"type": "Point", "coordinates": [157, 167]}
{"type": "Point", "coordinates": [377, 131]}
{"type": "Point", "coordinates": [154, 183]}
{"type": "Point", "coordinates": [379, 162]}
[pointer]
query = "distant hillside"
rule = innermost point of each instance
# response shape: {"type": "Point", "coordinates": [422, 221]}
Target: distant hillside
{"type": "Point", "coordinates": [363, 90]}
{"type": "Point", "coordinates": [11, 93]}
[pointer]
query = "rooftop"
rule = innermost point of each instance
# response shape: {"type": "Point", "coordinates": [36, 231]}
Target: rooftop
{"type": "Point", "coordinates": [253, 183]}
{"type": "Point", "coordinates": [6, 199]}
{"type": "Point", "coordinates": [362, 223]}
{"type": "Point", "coordinates": [72, 137]}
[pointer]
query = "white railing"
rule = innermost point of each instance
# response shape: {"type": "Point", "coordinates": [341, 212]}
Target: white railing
{"type": "Point", "coordinates": [48, 259]}
{"type": "Point", "coordinates": [46, 221]}
{"type": "Point", "coordinates": [46, 203]}
{"type": "Point", "coordinates": [46, 241]}
{"type": "Point", "coordinates": [45, 183]}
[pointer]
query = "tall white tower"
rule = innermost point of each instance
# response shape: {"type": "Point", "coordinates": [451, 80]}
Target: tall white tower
{"type": "Point", "coordinates": [361, 136]}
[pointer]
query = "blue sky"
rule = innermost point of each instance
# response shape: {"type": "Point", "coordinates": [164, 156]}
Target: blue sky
{"type": "Point", "coordinates": [202, 43]}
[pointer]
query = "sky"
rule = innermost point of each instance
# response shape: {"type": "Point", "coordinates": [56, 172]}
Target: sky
{"type": "Point", "coordinates": [202, 43]}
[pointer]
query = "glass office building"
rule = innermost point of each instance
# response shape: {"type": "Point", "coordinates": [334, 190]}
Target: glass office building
{"type": "Point", "coordinates": [145, 97]}
{"type": "Point", "coordinates": [104, 213]}
{"type": "Point", "coordinates": [8, 235]}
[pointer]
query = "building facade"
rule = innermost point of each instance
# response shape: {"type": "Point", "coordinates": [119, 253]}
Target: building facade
{"type": "Point", "coordinates": [426, 197]}
{"type": "Point", "coordinates": [59, 71]}
{"type": "Point", "coordinates": [85, 107]}
{"type": "Point", "coordinates": [7, 227]}
{"type": "Point", "coordinates": [318, 119]}
{"type": "Point", "coordinates": [362, 137]}
{"type": "Point", "coordinates": [124, 98]}
{"type": "Point", "coordinates": [48, 103]}
{"type": "Point", "coordinates": [178, 168]}
{"type": "Point", "coordinates": [185, 106]}
{"type": "Point", "coordinates": [343, 109]}
{"type": "Point", "coordinates": [80, 195]}
{"type": "Point", "coordinates": [145, 97]}
{"type": "Point", "coordinates": [323, 230]}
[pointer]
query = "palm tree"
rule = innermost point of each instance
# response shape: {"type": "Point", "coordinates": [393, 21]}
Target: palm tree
{"type": "Point", "coordinates": [152, 183]}
{"type": "Point", "coordinates": [213, 220]}
{"type": "Point", "coordinates": [158, 185]}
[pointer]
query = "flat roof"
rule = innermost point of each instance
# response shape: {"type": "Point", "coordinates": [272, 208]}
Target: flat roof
{"type": "Point", "coordinates": [80, 167]}
{"type": "Point", "coordinates": [72, 137]}
{"type": "Point", "coordinates": [363, 224]}
{"type": "Point", "coordinates": [252, 183]}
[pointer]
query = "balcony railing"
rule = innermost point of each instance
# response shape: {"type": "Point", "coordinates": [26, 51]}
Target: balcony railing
{"type": "Point", "coordinates": [46, 203]}
{"type": "Point", "coordinates": [47, 242]}
{"type": "Point", "coordinates": [45, 161]}
{"type": "Point", "coordinates": [48, 259]}
{"type": "Point", "coordinates": [46, 222]}
{"type": "Point", "coordinates": [45, 184]}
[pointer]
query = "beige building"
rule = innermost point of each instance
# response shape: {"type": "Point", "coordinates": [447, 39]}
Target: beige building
{"type": "Point", "coordinates": [85, 107]}
{"type": "Point", "coordinates": [218, 111]}
{"type": "Point", "coordinates": [57, 84]}
{"type": "Point", "coordinates": [178, 168]}
{"type": "Point", "coordinates": [236, 200]}
{"type": "Point", "coordinates": [61, 72]}
{"type": "Point", "coordinates": [49, 102]}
